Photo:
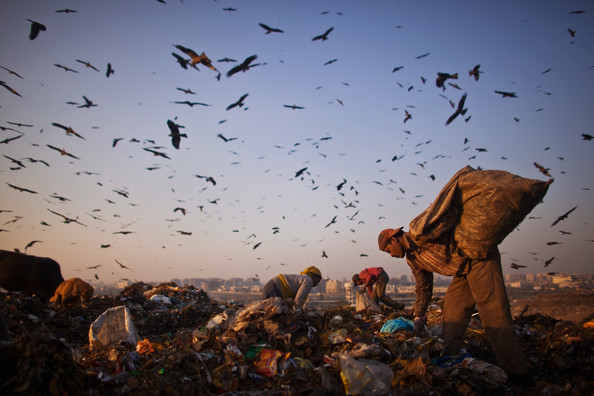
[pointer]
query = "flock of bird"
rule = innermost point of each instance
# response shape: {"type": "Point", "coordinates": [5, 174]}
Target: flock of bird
{"type": "Point", "coordinates": [189, 59]}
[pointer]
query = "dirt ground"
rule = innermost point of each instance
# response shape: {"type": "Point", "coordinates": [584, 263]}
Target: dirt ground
{"type": "Point", "coordinates": [573, 306]}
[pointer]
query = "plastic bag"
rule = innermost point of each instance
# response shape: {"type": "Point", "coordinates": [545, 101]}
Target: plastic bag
{"type": "Point", "coordinates": [396, 325]}
{"type": "Point", "coordinates": [364, 302]}
{"type": "Point", "coordinates": [112, 326]}
{"type": "Point", "coordinates": [364, 376]}
{"type": "Point", "coordinates": [490, 371]}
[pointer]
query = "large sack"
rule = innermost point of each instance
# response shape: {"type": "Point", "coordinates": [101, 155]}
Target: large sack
{"type": "Point", "coordinates": [479, 208]}
{"type": "Point", "coordinates": [364, 302]}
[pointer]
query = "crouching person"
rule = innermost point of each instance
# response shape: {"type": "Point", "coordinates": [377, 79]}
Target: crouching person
{"type": "Point", "coordinates": [296, 287]}
{"type": "Point", "coordinates": [72, 291]}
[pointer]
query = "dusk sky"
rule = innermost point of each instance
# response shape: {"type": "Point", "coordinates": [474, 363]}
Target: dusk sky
{"type": "Point", "coordinates": [336, 109]}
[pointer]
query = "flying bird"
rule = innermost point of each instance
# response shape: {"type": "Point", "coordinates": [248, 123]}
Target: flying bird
{"type": "Point", "coordinates": [208, 179]}
{"type": "Point", "coordinates": [21, 189]}
{"type": "Point", "coordinates": [12, 72]}
{"type": "Point", "coordinates": [542, 169]}
{"type": "Point", "coordinates": [87, 64]}
{"type": "Point", "coordinates": [225, 139]}
{"type": "Point", "coordinates": [549, 261]}
{"type": "Point", "coordinates": [407, 116]}
{"type": "Point", "coordinates": [62, 151]}
{"type": "Point", "coordinates": [174, 133]}
{"type": "Point", "coordinates": [243, 66]}
{"type": "Point", "coordinates": [331, 222]}
{"type": "Point", "coordinates": [182, 61]}
{"type": "Point", "coordinates": [187, 91]}
{"type": "Point", "coordinates": [300, 172]}
{"type": "Point", "coordinates": [269, 29]}
{"type": "Point", "coordinates": [36, 27]}
{"type": "Point", "coordinates": [195, 58]}
{"type": "Point", "coordinates": [31, 244]}
{"type": "Point", "coordinates": [586, 136]}
{"type": "Point", "coordinates": [563, 216]}
{"type": "Point", "coordinates": [109, 70]}
{"type": "Point", "coordinates": [67, 220]}
{"type": "Point", "coordinates": [323, 36]}
{"type": "Point", "coordinates": [239, 102]}
{"type": "Point", "coordinates": [156, 153]}
{"type": "Point", "coordinates": [516, 266]}
{"type": "Point", "coordinates": [442, 77]}
{"type": "Point", "coordinates": [191, 104]}
{"type": "Point", "coordinates": [475, 72]}
{"type": "Point", "coordinates": [506, 94]}
{"type": "Point", "coordinates": [66, 68]}
{"type": "Point", "coordinates": [88, 103]}
{"type": "Point", "coordinates": [122, 265]}
{"type": "Point", "coordinates": [10, 89]}
{"type": "Point", "coordinates": [68, 129]}
{"type": "Point", "coordinates": [294, 107]}
{"type": "Point", "coordinates": [460, 110]}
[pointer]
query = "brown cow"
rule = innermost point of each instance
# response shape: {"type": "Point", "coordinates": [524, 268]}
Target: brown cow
{"type": "Point", "coordinates": [71, 291]}
{"type": "Point", "coordinates": [29, 274]}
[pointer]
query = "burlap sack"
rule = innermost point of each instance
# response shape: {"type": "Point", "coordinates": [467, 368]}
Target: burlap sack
{"type": "Point", "coordinates": [480, 208]}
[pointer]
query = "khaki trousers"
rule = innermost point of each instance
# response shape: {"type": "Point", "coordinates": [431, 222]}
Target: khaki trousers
{"type": "Point", "coordinates": [484, 287]}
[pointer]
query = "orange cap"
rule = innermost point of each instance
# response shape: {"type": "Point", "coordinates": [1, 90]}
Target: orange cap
{"type": "Point", "coordinates": [385, 235]}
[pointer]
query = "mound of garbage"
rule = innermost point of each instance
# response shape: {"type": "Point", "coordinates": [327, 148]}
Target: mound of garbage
{"type": "Point", "coordinates": [172, 340]}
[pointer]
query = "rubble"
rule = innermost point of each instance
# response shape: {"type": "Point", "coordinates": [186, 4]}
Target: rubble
{"type": "Point", "coordinates": [189, 344]}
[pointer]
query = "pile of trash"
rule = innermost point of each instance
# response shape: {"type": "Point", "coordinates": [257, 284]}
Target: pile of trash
{"type": "Point", "coordinates": [175, 340]}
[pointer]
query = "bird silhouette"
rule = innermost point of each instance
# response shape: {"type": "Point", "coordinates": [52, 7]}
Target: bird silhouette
{"type": "Point", "coordinates": [68, 129]}
{"type": "Point", "coordinates": [225, 139]}
{"type": "Point", "coordinates": [31, 244]}
{"type": "Point", "coordinates": [563, 216]}
{"type": "Point", "coordinates": [516, 266]}
{"type": "Point", "coordinates": [87, 64]}
{"type": "Point", "coordinates": [475, 72]}
{"type": "Point", "coordinates": [460, 110]}
{"type": "Point", "coordinates": [122, 265]}
{"type": "Point", "coordinates": [10, 89]}
{"type": "Point", "coordinates": [66, 68]}
{"type": "Point", "coordinates": [506, 94]}
{"type": "Point", "coordinates": [182, 61]}
{"type": "Point", "coordinates": [442, 77]}
{"type": "Point", "coordinates": [12, 72]}
{"type": "Point", "coordinates": [195, 58]}
{"type": "Point", "coordinates": [542, 169]}
{"type": "Point", "coordinates": [62, 151]}
{"type": "Point", "coordinates": [21, 189]}
{"type": "Point", "coordinates": [549, 261]}
{"type": "Point", "coordinates": [407, 116]}
{"type": "Point", "coordinates": [586, 136]}
{"type": "Point", "coordinates": [243, 66]}
{"type": "Point", "coordinates": [269, 29]}
{"type": "Point", "coordinates": [109, 70]}
{"type": "Point", "coordinates": [323, 36]}
{"type": "Point", "coordinates": [239, 102]}
{"type": "Point", "coordinates": [174, 133]}
{"type": "Point", "coordinates": [36, 27]}
{"type": "Point", "coordinates": [294, 107]}
{"type": "Point", "coordinates": [191, 104]}
{"type": "Point", "coordinates": [156, 153]}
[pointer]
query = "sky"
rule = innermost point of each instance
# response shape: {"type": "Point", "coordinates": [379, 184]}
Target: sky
{"type": "Point", "coordinates": [365, 165]}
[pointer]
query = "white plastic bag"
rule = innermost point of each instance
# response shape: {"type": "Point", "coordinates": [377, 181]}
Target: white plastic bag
{"type": "Point", "coordinates": [365, 376]}
{"type": "Point", "coordinates": [112, 326]}
{"type": "Point", "coordinates": [364, 302]}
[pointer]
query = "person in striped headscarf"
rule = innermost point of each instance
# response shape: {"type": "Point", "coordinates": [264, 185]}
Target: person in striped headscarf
{"type": "Point", "coordinates": [476, 283]}
{"type": "Point", "coordinates": [293, 286]}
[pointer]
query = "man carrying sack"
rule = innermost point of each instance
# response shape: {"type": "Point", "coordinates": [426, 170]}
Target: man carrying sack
{"type": "Point", "coordinates": [458, 236]}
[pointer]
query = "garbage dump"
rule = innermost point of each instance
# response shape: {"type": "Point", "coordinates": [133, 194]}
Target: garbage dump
{"type": "Point", "coordinates": [172, 340]}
